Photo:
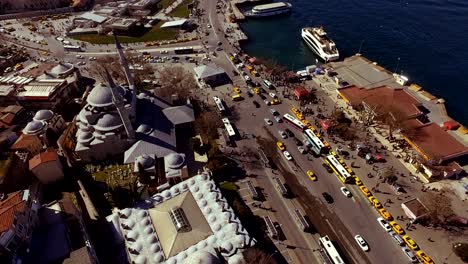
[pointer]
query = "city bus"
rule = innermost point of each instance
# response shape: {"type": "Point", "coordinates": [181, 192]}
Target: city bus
{"type": "Point", "coordinates": [300, 220]}
{"type": "Point", "coordinates": [230, 130]}
{"type": "Point", "coordinates": [280, 187]}
{"type": "Point", "coordinates": [331, 254]}
{"type": "Point", "coordinates": [219, 105]}
{"type": "Point", "coordinates": [296, 123]}
{"type": "Point", "coordinates": [270, 227]}
{"type": "Point", "coordinates": [338, 169]}
{"type": "Point", "coordinates": [253, 192]}
{"type": "Point", "coordinates": [317, 145]}
{"type": "Point", "coordinates": [72, 48]}
{"type": "Point", "coordinates": [183, 50]}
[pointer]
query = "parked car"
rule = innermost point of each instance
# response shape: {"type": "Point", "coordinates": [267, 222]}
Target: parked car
{"type": "Point", "coordinates": [280, 145]}
{"type": "Point", "coordinates": [362, 243]}
{"type": "Point", "coordinates": [278, 119]}
{"type": "Point", "coordinates": [282, 134]}
{"type": "Point", "coordinates": [409, 254]}
{"type": "Point", "coordinates": [328, 198]}
{"type": "Point", "coordinates": [274, 112]}
{"type": "Point", "coordinates": [384, 224]}
{"type": "Point", "coordinates": [289, 132]}
{"type": "Point", "coordinates": [301, 150]}
{"type": "Point", "coordinates": [346, 192]}
{"type": "Point", "coordinates": [257, 105]}
{"type": "Point", "coordinates": [311, 175]}
{"type": "Point", "coordinates": [268, 121]}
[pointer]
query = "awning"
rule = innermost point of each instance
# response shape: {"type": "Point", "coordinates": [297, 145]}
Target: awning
{"type": "Point", "coordinates": [253, 60]}
{"type": "Point", "coordinates": [451, 125]}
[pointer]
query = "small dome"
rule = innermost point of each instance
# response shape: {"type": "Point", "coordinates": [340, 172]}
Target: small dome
{"type": "Point", "coordinates": [140, 260]}
{"type": "Point", "coordinates": [43, 115]}
{"type": "Point", "coordinates": [62, 68]}
{"type": "Point", "coordinates": [146, 161]}
{"type": "Point", "coordinates": [34, 127]}
{"type": "Point", "coordinates": [85, 136]}
{"type": "Point", "coordinates": [101, 95]}
{"type": "Point", "coordinates": [145, 129]}
{"type": "Point", "coordinates": [202, 257]}
{"type": "Point", "coordinates": [108, 122]}
{"type": "Point", "coordinates": [175, 160]}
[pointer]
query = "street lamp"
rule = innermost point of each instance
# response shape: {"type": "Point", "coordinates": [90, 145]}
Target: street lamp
{"type": "Point", "coordinates": [398, 64]}
{"type": "Point", "coordinates": [360, 46]}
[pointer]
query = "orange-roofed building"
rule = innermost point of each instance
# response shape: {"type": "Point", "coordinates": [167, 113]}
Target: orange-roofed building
{"type": "Point", "coordinates": [18, 214]}
{"type": "Point", "coordinates": [46, 166]}
{"type": "Point", "coordinates": [30, 144]}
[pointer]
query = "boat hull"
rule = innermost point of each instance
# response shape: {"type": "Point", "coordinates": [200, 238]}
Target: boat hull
{"type": "Point", "coordinates": [250, 14]}
{"type": "Point", "coordinates": [321, 55]}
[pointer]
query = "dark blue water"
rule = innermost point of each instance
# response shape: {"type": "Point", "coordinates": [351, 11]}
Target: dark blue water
{"type": "Point", "coordinates": [429, 36]}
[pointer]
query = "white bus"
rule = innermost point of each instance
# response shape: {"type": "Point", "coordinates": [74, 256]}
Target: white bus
{"type": "Point", "coordinates": [300, 220]}
{"type": "Point", "coordinates": [294, 122]}
{"type": "Point", "coordinates": [317, 144]}
{"type": "Point", "coordinates": [339, 169]}
{"type": "Point", "coordinates": [330, 251]}
{"type": "Point", "coordinates": [270, 227]}
{"type": "Point", "coordinates": [72, 48]}
{"type": "Point", "coordinates": [219, 105]}
{"type": "Point", "coordinates": [230, 130]}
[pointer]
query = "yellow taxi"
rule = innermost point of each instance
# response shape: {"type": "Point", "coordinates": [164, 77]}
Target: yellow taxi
{"type": "Point", "coordinates": [358, 181]}
{"type": "Point", "coordinates": [375, 202]}
{"type": "Point", "coordinates": [237, 97]}
{"type": "Point", "coordinates": [300, 116]}
{"type": "Point", "coordinates": [280, 145]}
{"type": "Point", "coordinates": [410, 242]}
{"type": "Point", "coordinates": [231, 58]}
{"type": "Point", "coordinates": [237, 89]}
{"type": "Point", "coordinates": [424, 258]}
{"type": "Point", "coordinates": [255, 73]}
{"type": "Point", "coordinates": [397, 228]}
{"type": "Point", "coordinates": [306, 123]}
{"type": "Point", "coordinates": [276, 101]}
{"type": "Point", "coordinates": [365, 191]}
{"type": "Point", "coordinates": [311, 175]}
{"type": "Point", "coordinates": [256, 90]}
{"type": "Point", "coordinates": [385, 214]}
{"type": "Point", "coordinates": [295, 110]}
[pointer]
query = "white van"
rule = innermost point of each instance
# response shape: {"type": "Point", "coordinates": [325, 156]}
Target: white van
{"type": "Point", "coordinates": [268, 84]}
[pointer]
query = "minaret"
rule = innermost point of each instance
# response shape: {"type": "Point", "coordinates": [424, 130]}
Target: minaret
{"type": "Point", "coordinates": [120, 105]}
{"type": "Point", "coordinates": [128, 74]}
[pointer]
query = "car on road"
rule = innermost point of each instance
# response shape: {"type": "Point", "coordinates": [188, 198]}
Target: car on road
{"type": "Point", "coordinates": [328, 198]}
{"type": "Point", "coordinates": [256, 91]}
{"type": "Point", "coordinates": [276, 101]}
{"type": "Point", "coordinates": [272, 95]}
{"type": "Point", "coordinates": [268, 121]}
{"type": "Point", "coordinates": [257, 105]}
{"type": "Point", "coordinates": [81, 63]}
{"type": "Point", "coordinates": [274, 112]}
{"type": "Point", "coordinates": [287, 155]}
{"type": "Point", "coordinates": [384, 224]}
{"type": "Point", "coordinates": [220, 43]}
{"type": "Point", "coordinates": [385, 214]}
{"type": "Point", "coordinates": [397, 228]}
{"type": "Point", "coordinates": [278, 119]}
{"type": "Point", "coordinates": [346, 192]}
{"type": "Point", "coordinates": [237, 89]}
{"type": "Point", "coordinates": [424, 258]}
{"type": "Point", "coordinates": [266, 102]}
{"type": "Point", "coordinates": [410, 242]}
{"type": "Point", "coordinates": [219, 49]}
{"type": "Point", "coordinates": [92, 58]}
{"type": "Point", "coordinates": [289, 132]}
{"type": "Point", "coordinates": [282, 134]}
{"type": "Point", "coordinates": [280, 145]}
{"type": "Point", "coordinates": [247, 78]}
{"type": "Point", "coordinates": [301, 149]}
{"type": "Point", "coordinates": [249, 94]}
{"type": "Point", "coordinates": [397, 238]}
{"type": "Point", "coordinates": [311, 175]}
{"type": "Point", "coordinates": [375, 202]}
{"type": "Point", "coordinates": [327, 167]}
{"type": "Point", "coordinates": [362, 243]}
{"type": "Point", "coordinates": [365, 191]}
{"type": "Point", "coordinates": [208, 25]}
{"type": "Point", "coordinates": [409, 254]}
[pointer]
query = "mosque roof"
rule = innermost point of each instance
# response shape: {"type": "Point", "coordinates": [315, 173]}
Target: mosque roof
{"type": "Point", "coordinates": [175, 160]}
{"type": "Point", "coordinates": [62, 68]}
{"type": "Point", "coordinates": [108, 122]}
{"type": "Point", "coordinates": [44, 115]}
{"type": "Point", "coordinates": [33, 127]}
{"type": "Point", "coordinates": [101, 95]}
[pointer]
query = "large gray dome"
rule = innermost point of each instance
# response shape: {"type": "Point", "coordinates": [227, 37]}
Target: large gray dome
{"type": "Point", "coordinates": [43, 115]}
{"type": "Point", "coordinates": [34, 127]}
{"type": "Point", "coordinates": [202, 257]}
{"type": "Point", "coordinates": [101, 95]}
{"type": "Point", "coordinates": [108, 122]}
{"type": "Point", "coordinates": [145, 129]}
{"type": "Point", "coordinates": [175, 160]}
{"type": "Point", "coordinates": [146, 161]}
{"type": "Point", "coordinates": [85, 136]}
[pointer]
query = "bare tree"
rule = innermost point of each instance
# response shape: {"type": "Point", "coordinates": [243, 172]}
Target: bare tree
{"type": "Point", "coordinates": [256, 255]}
{"type": "Point", "coordinates": [439, 206]}
{"type": "Point", "coordinates": [111, 63]}
{"type": "Point", "coordinates": [392, 117]}
{"type": "Point", "coordinates": [207, 124]}
{"type": "Point", "coordinates": [175, 80]}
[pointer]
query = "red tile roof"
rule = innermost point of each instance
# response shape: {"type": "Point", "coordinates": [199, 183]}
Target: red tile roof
{"type": "Point", "coordinates": [384, 99]}
{"type": "Point", "coordinates": [9, 207]}
{"type": "Point", "coordinates": [435, 143]}
{"type": "Point", "coordinates": [8, 118]}
{"type": "Point", "coordinates": [42, 158]}
{"type": "Point", "coordinates": [24, 141]}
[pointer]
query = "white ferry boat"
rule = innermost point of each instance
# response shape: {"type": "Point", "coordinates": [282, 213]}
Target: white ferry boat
{"type": "Point", "coordinates": [318, 41]}
{"type": "Point", "coordinates": [269, 9]}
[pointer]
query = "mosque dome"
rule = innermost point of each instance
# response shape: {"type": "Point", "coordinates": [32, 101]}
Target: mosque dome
{"type": "Point", "coordinates": [101, 95]}
{"type": "Point", "coordinates": [43, 115]}
{"type": "Point", "coordinates": [85, 136]}
{"type": "Point", "coordinates": [146, 161]}
{"type": "Point", "coordinates": [108, 122]}
{"type": "Point", "coordinates": [145, 129]}
{"type": "Point", "coordinates": [34, 127]}
{"type": "Point", "coordinates": [202, 257]}
{"type": "Point", "coordinates": [175, 160]}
